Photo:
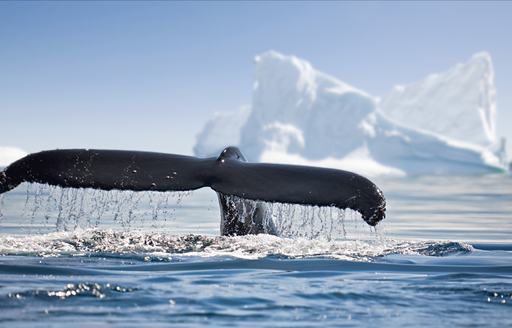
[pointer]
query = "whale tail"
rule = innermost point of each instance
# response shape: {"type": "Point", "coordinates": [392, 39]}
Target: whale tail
{"type": "Point", "coordinates": [229, 175]}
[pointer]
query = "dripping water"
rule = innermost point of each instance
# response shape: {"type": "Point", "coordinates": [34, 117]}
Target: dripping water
{"type": "Point", "coordinates": [67, 209]}
{"type": "Point", "coordinates": [1, 206]}
{"type": "Point", "coordinates": [304, 221]}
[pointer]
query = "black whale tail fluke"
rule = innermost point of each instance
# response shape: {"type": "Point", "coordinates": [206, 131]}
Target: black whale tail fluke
{"type": "Point", "coordinates": [228, 175]}
{"type": "Point", "coordinates": [107, 170]}
{"type": "Point", "coordinates": [302, 185]}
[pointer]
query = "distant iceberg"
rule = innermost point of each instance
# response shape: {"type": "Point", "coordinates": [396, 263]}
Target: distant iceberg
{"type": "Point", "coordinates": [10, 154]}
{"type": "Point", "coordinates": [459, 103]}
{"type": "Point", "coordinates": [302, 116]}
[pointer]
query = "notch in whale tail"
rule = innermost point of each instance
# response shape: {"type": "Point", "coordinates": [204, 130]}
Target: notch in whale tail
{"type": "Point", "coordinates": [229, 175]}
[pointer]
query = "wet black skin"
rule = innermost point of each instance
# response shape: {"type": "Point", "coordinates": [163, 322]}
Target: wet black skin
{"type": "Point", "coordinates": [229, 174]}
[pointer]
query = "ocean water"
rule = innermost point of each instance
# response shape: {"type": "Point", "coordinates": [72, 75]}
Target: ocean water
{"type": "Point", "coordinates": [442, 257]}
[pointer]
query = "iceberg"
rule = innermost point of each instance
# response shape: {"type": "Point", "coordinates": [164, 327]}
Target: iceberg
{"type": "Point", "coordinates": [10, 154]}
{"type": "Point", "coordinates": [459, 103]}
{"type": "Point", "coordinates": [302, 116]}
{"type": "Point", "coordinates": [299, 110]}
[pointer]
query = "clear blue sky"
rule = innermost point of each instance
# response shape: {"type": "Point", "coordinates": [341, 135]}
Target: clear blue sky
{"type": "Point", "coordinates": [147, 75]}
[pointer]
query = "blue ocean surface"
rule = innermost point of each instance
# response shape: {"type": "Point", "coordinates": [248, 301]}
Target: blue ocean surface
{"type": "Point", "coordinates": [442, 257]}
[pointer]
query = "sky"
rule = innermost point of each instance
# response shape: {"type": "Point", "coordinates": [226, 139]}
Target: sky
{"type": "Point", "coordinates": [148, 75]}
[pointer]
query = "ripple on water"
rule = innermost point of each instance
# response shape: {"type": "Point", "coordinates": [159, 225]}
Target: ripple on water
{"type": "Point", "coordinates": [95, 290]}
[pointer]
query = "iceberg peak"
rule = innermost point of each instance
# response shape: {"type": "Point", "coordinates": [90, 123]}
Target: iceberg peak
{"type": "Point", "coordinates": [482, 56]}
{"type": "Point", "coordinates": [459, 103]}
{"type": "Point", "coordinates": [290, 93]}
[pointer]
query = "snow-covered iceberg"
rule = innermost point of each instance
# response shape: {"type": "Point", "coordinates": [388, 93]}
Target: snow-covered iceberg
{"type": "Point", "coordinates": [10, 154]}
{"type": "Point", "coordinates": [459, 103]}
{"type": "Point", "coordinates": [302, 116]}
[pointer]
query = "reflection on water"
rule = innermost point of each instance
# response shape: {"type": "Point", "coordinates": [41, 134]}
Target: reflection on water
{"type": "Point", "coordinates": [471, 209]}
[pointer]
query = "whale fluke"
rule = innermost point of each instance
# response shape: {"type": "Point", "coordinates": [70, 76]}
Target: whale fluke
{"type": "Point", "coordinates": [229, 175]}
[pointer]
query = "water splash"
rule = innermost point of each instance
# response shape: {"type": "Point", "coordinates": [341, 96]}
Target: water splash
{"type": "Point", "coordinates": [1, 206]}
{"type": "Point", "coordinates": [163, 247]}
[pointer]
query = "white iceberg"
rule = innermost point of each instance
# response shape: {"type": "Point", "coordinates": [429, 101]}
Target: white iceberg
{"type": "Point", "coordinates": [303, 111]}
{"type": "Point", "coordinates": [459, 103]}
{"type": "Point", "coordinates": [302, 116]}
{"type": "Point", "coordinates": [10, 154]}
